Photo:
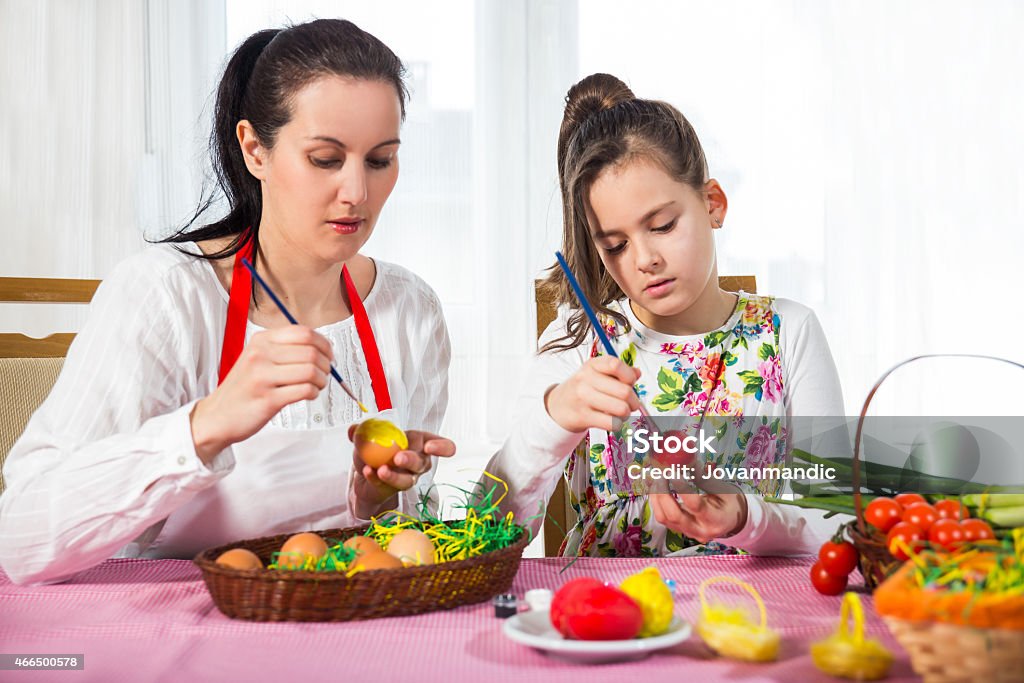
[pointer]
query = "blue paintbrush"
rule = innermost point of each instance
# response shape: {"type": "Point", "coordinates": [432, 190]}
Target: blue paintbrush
{"type": "Point", "coordinates": [293, 321]}
{"type": "Point", "coordinates": [585, 305]}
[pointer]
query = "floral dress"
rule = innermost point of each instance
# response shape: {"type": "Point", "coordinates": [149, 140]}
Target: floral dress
{"type": "Point", "coordinates": [615, 517]}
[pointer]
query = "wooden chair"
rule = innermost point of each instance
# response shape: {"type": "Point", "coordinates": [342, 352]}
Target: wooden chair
{"type": "Point", "coordinates": [29, 366]}
{"type": "Point", "coordinates": [556, 521]}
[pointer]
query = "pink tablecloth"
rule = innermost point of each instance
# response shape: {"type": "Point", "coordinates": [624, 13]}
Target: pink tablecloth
{"type": "Point", "coordinates": [153, 620]}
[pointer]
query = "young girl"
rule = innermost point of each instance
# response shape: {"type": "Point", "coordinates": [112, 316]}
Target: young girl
{"type": "Point", "coordinates": [189, 412]}
{"type": "Point", "coordinates": [639, 218]}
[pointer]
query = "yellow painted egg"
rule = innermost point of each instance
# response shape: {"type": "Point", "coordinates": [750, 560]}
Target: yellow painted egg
{"type": "Point", "coordinates": [362, 545]}
{"type": "Point", "coordinates": [376, 560]}
{"type": "Point", "coordinates": [412, 547]}
{"type": "Point", "coordinates": [648, 589]}
{"type": "Point", "coordinates": [240, 558]}
{"type": "Point", "coordinates": [298, 548]}
{"type": "Point", "coordinates": [377, 441]}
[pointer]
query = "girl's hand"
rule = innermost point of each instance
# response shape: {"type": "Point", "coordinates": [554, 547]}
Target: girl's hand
{"type": "Point", "coordinates": [597, 395]}
{"type": "Point", "coordinates": [277, 367]}
{"type": "Point", "coordinates": [376, 490]}
{"type": "Point", "coordinates": [701, 516]}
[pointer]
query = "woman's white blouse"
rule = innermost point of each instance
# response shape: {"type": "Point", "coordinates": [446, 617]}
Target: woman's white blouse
{"type": "Point", "coordinates": [109, 454]}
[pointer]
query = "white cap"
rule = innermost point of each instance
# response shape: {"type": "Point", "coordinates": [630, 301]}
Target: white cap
{"type": "Point", "coordinates": [539, 598]}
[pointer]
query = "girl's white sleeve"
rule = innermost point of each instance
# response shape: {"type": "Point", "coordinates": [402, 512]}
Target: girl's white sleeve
{"type": "Point", "coordinates": [109, 454]}
{"type": "Point", "coordinates": [533, 456]}
{"type": "Point", "coordinates": [814, 401]}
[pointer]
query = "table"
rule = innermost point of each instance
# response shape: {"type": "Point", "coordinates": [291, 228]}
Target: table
{"type": "Point", "coordinates": [153, 620]}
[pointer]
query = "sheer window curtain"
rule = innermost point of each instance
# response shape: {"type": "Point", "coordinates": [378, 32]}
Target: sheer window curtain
{"type": "Point", "coordinates": [871, 154]}
{"type": "Point", "coordinates": [102, 133]}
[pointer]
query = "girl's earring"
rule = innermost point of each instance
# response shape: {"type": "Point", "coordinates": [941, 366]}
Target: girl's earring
{"type": "Point", "coordinates": [718, 221]}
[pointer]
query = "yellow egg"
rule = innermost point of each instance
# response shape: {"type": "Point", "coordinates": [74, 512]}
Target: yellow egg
{"type": "Point", "coordinates": [412, 547]}
{"type": "Point", "coordinates": [376, 560]}
{"type": "Point", "coordinates": [377, 441]}
{"type": "Point", "coordinates": [647, 588]}
{"type": "Point", "coordinates": [240, 558]}
{"type": "Point", "coordinates": [362, 545]}
{"type": "Point", "coordinates": [299, 547]}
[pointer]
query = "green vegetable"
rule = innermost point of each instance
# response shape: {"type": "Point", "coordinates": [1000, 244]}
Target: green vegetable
{"type": "Point", "coordinates": [1004, 516]}
{"type": "Point", "coordinates": [994, 500]}
{"type": "Point", "coordinates": [840, 504]}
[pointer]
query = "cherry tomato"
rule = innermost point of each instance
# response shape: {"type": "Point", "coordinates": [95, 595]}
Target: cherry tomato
{"type": "Point", "coordinates": [947, 533]}
{"type": "Point", "coordinates": [976, 530]}
{"type": "Point", "coordinates": [951, 509]}
{"type": "Point", "coordinates": [838, 559]}
{"type": "Point", "coordinates": [911, 536]}
{"type": "Point", "coordinates": [921, 515]}
{"type": "Point", "coordinates": [883, 513]}
{"type": "Point", "coordinates": [826, 583]}
{"type": "Point", "coordinates": [908, 499]}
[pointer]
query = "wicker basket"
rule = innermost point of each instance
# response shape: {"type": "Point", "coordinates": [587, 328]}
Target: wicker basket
{"type": "Point", "coordinates": [950, 653]}
{"type": "Point", "coordinates": [270, 595]}
{"type": "Point", "coordinates": [955, 636]}
{"type": "Point", "coordinates": [876, 562]}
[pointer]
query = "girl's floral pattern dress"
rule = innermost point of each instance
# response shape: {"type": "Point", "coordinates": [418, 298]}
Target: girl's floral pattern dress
{"type": "Point", "coordinates": [615, 518]}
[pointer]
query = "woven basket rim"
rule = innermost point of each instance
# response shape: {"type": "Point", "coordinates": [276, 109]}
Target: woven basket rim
{"type": "Point", "coordinates": [947, 624]}
{"type": "Point", "coordinates": [206, 559]}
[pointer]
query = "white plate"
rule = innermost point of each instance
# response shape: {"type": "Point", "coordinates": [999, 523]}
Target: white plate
{"type": "Point", "coordinates": [534, 628]}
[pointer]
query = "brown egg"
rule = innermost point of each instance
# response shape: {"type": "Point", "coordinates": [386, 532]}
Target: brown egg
{"type": "Point", "coordinates": [362, 545]}
{"type": "Point", "coordinates": [240, 558]}
{"type": "Point", "coordinates": [300, 546]}
{"type": "Point", "coordinates": [376, 560]}
{"type": "Point", "coordinates": [412, 547]}
{"type": "Point", "coordinates": [377, 441]}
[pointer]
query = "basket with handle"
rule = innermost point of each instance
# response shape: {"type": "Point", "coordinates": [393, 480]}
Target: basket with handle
{"type": "Point", "coordinates": [876, 560]}
{"type": "Point", "coordinates": [960, 635]}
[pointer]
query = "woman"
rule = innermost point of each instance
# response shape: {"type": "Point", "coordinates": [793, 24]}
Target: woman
{"type": "Point", "coordinates": [190, 413]}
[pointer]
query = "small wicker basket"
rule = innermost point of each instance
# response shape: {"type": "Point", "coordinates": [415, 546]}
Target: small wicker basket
{"type": "Point", "coordinates": [954, 637]}
{"type": "Point", "coordinates": [272, 595]}
{"type": "Point", "coordinates": [950, 653]}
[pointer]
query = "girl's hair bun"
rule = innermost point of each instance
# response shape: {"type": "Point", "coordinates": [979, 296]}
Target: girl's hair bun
{"type": "Point", "coordinates": [593, 94]}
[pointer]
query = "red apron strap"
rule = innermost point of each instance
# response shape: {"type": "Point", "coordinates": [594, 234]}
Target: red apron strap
{"type": "Point", "coordinates": [369, 343]}
{"type": "Point", "coordinates": [238, 312]}
{"type": "Point", "coordinates": [238, 318]}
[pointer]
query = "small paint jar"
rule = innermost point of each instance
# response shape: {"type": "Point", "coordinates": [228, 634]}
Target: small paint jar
{"type": "Point", "coordinates": [505, 605]}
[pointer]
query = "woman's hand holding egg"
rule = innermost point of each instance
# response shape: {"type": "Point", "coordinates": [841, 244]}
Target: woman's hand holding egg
{"type": "Point", "coordinates": [597, 395]}
{"type": "Point", "coordinates": [277, 367]}
{"type": "Point", "coordinates": [376, 487]}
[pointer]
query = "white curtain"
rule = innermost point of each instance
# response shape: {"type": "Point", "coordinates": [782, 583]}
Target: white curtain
{"type": "Point", "coordinates": [71, 136]}
{"type": "Point", "coordinates": [871, 152]}
{"type": "Point", "coordinates": [98, 135]}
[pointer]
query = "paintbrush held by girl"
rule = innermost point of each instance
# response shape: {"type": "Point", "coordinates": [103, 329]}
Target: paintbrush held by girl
{"type": "Point", "coordinates": [640, 214]}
